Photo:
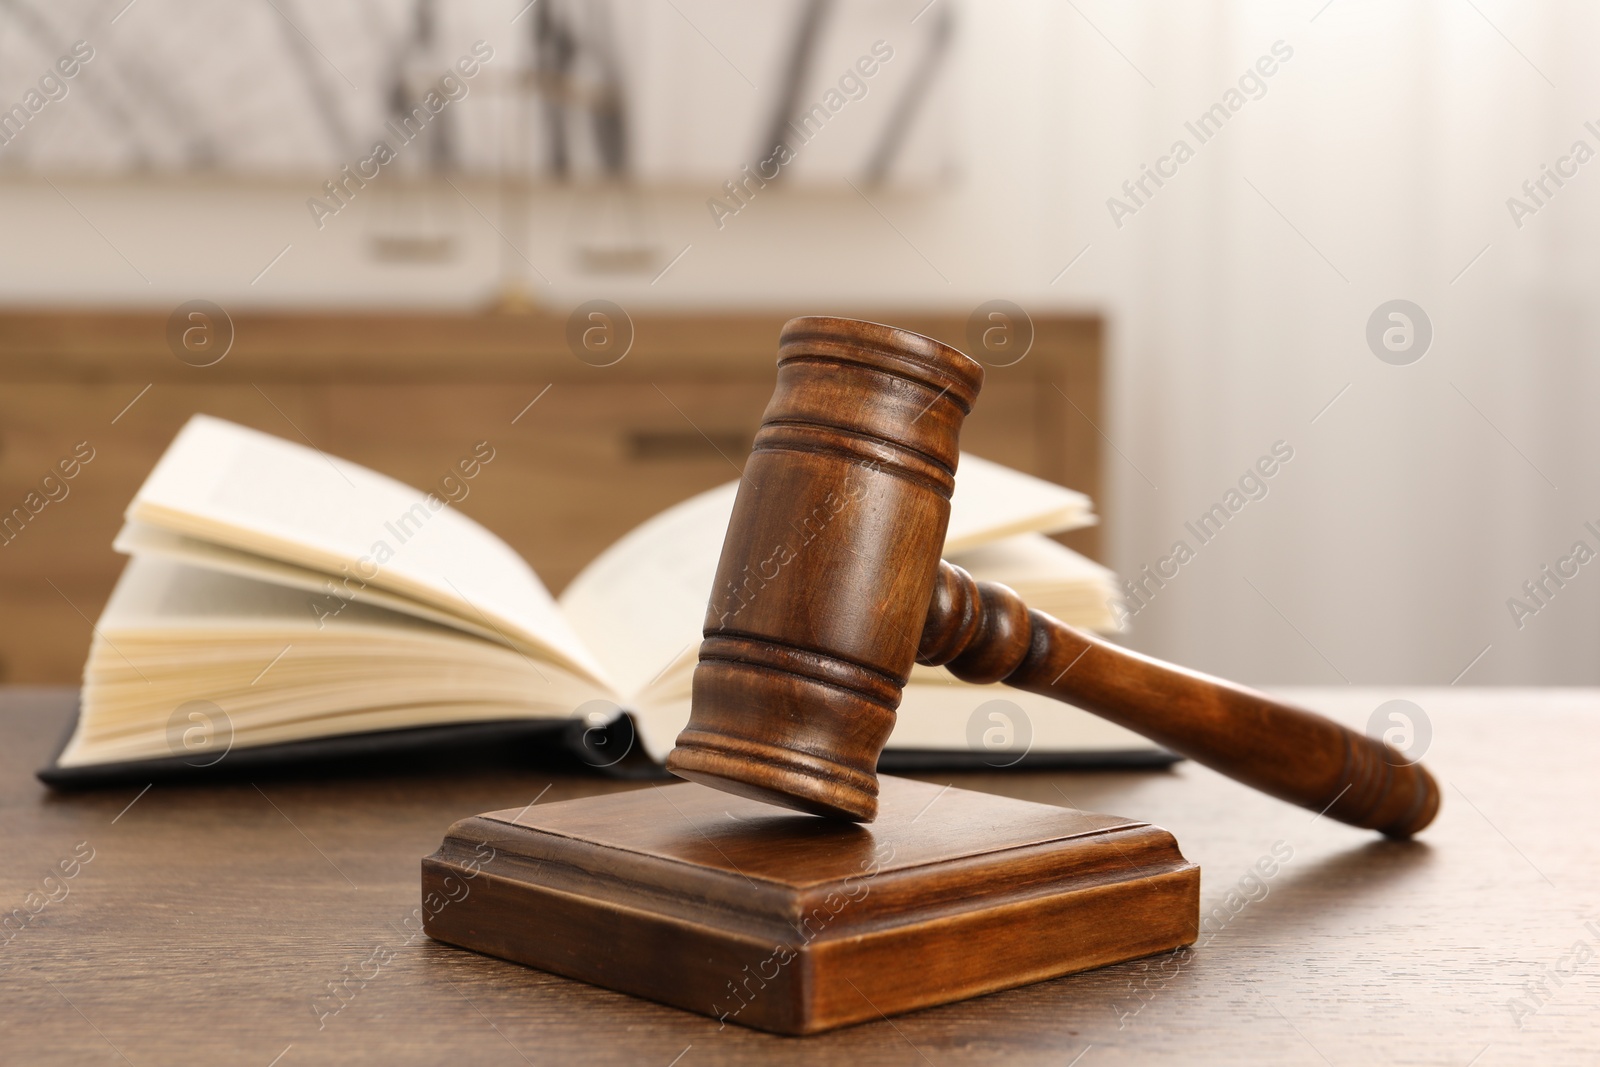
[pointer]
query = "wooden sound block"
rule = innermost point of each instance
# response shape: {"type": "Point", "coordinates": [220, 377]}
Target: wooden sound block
{"type": "Point", "coordinates": [796, 924]}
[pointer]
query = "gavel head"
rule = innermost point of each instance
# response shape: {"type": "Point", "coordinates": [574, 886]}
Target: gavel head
{"type": "Point", "coordinates": [828, 567]}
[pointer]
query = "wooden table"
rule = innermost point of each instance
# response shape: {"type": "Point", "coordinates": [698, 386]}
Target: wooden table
{"type": "Point", "coordinates": [210, 921]}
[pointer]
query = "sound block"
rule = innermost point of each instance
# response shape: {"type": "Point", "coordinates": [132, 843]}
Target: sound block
{"type": "Point", "coordinates": [797, 924]}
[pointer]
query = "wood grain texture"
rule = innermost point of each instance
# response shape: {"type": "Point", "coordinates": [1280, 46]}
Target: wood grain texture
{"type": "Point", "coordinates": [209, 919]}
{"type": "Point", "coordinates": [984, 633]}
{"type": "Point", "coordinates": [409, 394]}
{"type": "Point", "coordinates": [827, 566]}
{"type": "Point", "coordinates": [796, 925]}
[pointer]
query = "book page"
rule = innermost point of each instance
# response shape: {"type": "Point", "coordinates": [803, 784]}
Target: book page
{"type": "Point", "coordinates": [153, 596]}
{"type": "Point", "coordinates": [641, 603]}
{"type": "Point", "coordinates": [1049, 576]}
{"type": "Point", "coordinates": [992, 501]}
{"type": "Point", "coordinates": [273, 498]}
{"type": "Point", "coordinates": [172, 634]}
{"type": "Point", "coordinates": [145, 542]}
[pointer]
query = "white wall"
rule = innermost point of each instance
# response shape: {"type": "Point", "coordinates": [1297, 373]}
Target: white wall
{"type": "Point", "coordinates": [1420, 501]}
{"type": "Point", "coordinates": [1414, 506]}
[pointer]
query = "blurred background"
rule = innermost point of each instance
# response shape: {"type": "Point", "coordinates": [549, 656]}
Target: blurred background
{"type": "Point", "coordinates": [1351, 236]}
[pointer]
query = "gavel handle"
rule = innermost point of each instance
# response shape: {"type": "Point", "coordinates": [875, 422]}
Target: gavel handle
{"type": "Point", "coordinates": [983, 632]}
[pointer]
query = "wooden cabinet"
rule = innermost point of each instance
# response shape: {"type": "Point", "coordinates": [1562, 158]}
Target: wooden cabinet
{"type": "Point", "coordinates": [602, 449]}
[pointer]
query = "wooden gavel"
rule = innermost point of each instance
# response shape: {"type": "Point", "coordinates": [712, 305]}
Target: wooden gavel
{"type": "Point", "coordinates": [830, 587]}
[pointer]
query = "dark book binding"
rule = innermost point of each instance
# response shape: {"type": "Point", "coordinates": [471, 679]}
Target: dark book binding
{"type": "Point", "coordinates": [567, 745]}
{"type": "Point", "coordinates": [563, 745]}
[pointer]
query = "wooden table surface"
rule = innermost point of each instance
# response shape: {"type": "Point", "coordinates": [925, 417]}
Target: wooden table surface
{"type": "Point", "coordinates": [204, 925]}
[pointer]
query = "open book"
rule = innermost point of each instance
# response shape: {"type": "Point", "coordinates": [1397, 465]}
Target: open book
{"type": "Point", "coordinates": [277, 596]}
